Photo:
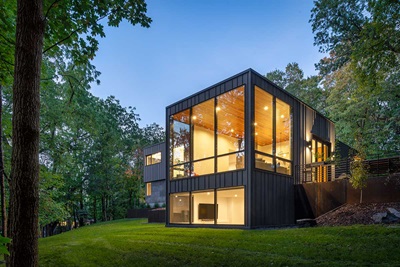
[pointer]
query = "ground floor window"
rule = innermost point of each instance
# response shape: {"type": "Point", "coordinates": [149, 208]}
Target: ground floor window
{"type": "Point", "coordinates": [224, 206]}
{"type": "Point", "coordinates": [179, 208]}
{"type": "Point", "coordinates": [148, 189]}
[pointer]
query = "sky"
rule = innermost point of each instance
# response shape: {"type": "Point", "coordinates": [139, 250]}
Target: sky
{"type": "Point", "coordinates": [192, 45]}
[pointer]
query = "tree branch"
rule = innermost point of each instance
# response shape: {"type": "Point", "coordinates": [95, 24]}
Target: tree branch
{"type": "Point", "coordinates": [50, 7]}
{"type": "Point", "coordinates": [72, 33]}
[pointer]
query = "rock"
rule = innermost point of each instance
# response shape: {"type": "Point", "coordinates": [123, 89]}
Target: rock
{"type": "Point", "coordinates": [306, 222]}
{"type": "Point", "coordinates": [378, 217]}
{"type": "Point", "coordinates": [394, 212]}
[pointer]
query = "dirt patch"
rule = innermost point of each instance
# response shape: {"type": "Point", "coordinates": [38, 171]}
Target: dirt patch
{"type": "Point", "coordinates": [350, 214]}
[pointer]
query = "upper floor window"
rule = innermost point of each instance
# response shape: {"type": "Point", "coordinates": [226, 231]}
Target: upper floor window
{"type": "Point", "coordinates": [272, 133]}
{"type": "Point", "coordinates": [153, 158]}
{"type": "Point", "coordinates": [209, 137]}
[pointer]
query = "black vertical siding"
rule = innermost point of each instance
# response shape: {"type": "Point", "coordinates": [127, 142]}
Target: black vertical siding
{"type": "Point", "coordinates": [273, 199]}
{"type": "Point", "coordinates": [155, 172]}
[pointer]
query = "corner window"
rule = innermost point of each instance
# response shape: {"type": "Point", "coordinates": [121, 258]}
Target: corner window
{"type": "Point", "coordinates": [209, 137]}
{"type": "Point", "coordinates": [153, 158]}
{"type": "Point", "coordinates": [179, 208]}
{"type": "Point", "coordinates": [272, 133]}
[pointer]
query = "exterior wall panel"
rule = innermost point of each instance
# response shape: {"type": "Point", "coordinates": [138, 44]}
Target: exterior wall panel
{"type": "Point", "coordinates": [274, 196]}
{"type": "Point", "coordinates": [155, 172]}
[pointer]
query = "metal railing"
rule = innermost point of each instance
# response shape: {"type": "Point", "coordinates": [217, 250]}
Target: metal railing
{"type": "Point", "coordinates": [330, 171]}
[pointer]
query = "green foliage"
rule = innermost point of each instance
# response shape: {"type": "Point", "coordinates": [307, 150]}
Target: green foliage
{"type": "Point", "coordinates": [306, 89]}
{"type": "Point", "coordinates": [362, 73]}
{"type": "Point", "coordinates": [51, 206]}
{"type": "Point", "coordinates": [362, 32]}
{"type": "Point", "coordinates": [136, 243]}
{"type": "Point", "coordinates": [3, 245]}
{"type": "Point", "coordinates": [358, 173]}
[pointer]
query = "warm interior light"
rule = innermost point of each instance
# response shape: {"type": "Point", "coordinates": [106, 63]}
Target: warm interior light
{"type": "Point", "coordinates": [235, 195]}
{"type": "Point", "coordinates": [176, 196]}
{"type": "Point", "coordinates": [266, 108]}
{"type": "Point", "coordinates": [255, 124]}
{"type": "Point", "coordinates": [218, 109]}
{"type": "Point", "coordinates": [256, 133]}
{"type": "Point", "coordinates": [282, 116]}
{"type": "Point", "coordinates": [231, 130]}
{"type": "Point", "coordinates": [180, 200]}
{"type": "Point", "coordinates": [208, 193]}
{"type": "Point", "coordinates": [194, 117]}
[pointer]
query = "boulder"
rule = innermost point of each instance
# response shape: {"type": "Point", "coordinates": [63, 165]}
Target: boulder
{"type": "Point", "coordinates": [391, 216]}
{"type": "Point", "coordinates": [306, 222]}
{"type": "Point", "coordinates": [394, 212]}
{"type": "Point", "coordinates": [377, 217]}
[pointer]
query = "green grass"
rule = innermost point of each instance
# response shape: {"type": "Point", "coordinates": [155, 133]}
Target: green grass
{"type": "Point", "coordinates": [137, 243]}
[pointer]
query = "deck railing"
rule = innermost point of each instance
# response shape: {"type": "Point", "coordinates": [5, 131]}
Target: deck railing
{"type": "Point", "coordinates": [329, 171]}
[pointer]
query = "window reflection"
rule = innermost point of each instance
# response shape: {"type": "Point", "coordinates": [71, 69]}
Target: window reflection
{"type": "Point", "coordinates": [203, 130]}
{"type": "Point", "coordinates": [180, 143]}
{"type": "Point", "coordinates": [230, 121]}
{"type": "Point", "coordinates": [283, 130]}
{"type": "Point", "coordinates": [263, 124]}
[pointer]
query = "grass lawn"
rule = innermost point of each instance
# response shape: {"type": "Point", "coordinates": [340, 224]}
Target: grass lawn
{"type": "Point", "coordinates": [134, 242]}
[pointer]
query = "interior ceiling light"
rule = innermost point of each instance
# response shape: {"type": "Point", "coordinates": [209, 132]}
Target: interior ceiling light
{"type": "Point", "coordinates": [231, 130]}
{"type": "Point", "coordinates": [282, 116]}
{"type": "Point", "coordinates": [255, 124]}
{"type": "Point", "coordinates": [194, 117]}
{"type": "Point", "coordinates": [218, 109]}
{"type": "Point", "coordinates": [256, 133]}
{"type": "Point", "coordinates": [266, 108]}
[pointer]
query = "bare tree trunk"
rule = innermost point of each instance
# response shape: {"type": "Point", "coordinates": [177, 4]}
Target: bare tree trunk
{"type": "Point", "coordinates": [104, 207]}
{"type": "Point", "coordinates": [2, 182]}
{"type": "Point", "coordinates": [24, 193]}
{"type": "Point", "coordinates": [95, 209]}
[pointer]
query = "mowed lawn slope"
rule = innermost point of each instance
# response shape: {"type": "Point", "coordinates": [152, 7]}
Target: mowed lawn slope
{"type": "Point", "coordinates": [136, 243]}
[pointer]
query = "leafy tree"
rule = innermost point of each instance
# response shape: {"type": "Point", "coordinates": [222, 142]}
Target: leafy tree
{"type": "Point", "coordinates": [362, 71]}
{"type": "Point", "coordinates": [363, 33]}
{"type": "Point", "coordinates": [306, 89]}
{"type": "Point", "coordinates": [67, 29]}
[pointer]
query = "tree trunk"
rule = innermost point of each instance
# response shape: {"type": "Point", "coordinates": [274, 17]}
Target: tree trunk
{"type": "Point", "coordinates": [104, 208]}
{"type": "Point", "coordinates": [95, 210]}
{"type": "Point", "coordinates": [24, 193]}
{"type": "Point", "coordinates": [2, 182]}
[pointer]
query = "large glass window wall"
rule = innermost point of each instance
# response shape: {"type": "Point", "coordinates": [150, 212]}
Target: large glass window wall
{"type": "Point", "coordinates": [223, 206]}
{"type": "Point", "coordinates": [272, 133]}
{"type": "Point", "coordinates": [208, 137]}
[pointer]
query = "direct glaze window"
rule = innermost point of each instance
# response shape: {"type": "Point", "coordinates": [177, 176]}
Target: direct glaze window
{"type": "Point", "coordinates": [272, 133]}
{"type": "Point", "coordinates": [153, 158]}
{"type": "Point", "coordinates": [223, 206]}
{"type": "Point", "coordinates": [209, 137]}
{"type": "Point", "coordinates": [148, 189]}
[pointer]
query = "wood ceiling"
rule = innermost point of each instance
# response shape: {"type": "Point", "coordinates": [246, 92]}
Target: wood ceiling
{"type": "Point", "coordinates": [230, 116]}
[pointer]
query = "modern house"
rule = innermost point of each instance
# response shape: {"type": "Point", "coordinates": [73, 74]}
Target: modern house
{"type": "Point", "coordinates": [230, 154]}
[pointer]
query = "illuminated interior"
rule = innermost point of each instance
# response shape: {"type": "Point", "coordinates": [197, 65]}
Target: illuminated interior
{"type": "Point", "coordinates": [214, 131]}
{"type": "Point", "coordinates": [272, 136]}
{"type": "Point", "coordinates": [201, 208]}
{"type": "Point", "coordinates": [153, 158]}
{"type": "Point", "coordinates": [319, 153]}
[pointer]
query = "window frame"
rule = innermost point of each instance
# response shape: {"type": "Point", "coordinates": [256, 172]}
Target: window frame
{"type": "Point", "coordinates": [274, 156]}
{"type": "Point", "coordinates": [188, 167]}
